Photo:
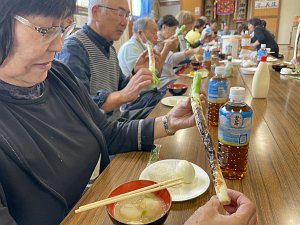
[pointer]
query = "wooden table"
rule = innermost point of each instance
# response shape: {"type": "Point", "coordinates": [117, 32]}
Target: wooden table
{"type": "Point", "coordinates": [273, 176]}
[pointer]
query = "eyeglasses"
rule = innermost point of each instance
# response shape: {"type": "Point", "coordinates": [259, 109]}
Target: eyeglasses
{"type": "Point", "coordinates": [121, 12]}
{"type": "Point", "coordinates": [48, 33]}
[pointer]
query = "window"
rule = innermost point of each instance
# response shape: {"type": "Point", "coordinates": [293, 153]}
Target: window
{"type": "Point", "coordinates": [141, 8]}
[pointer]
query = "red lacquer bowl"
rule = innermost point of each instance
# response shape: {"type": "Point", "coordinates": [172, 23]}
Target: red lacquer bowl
{"type": "Point", "coordinates": [177, 89]}
{"type": "Point", "coordinates": [164, 195]}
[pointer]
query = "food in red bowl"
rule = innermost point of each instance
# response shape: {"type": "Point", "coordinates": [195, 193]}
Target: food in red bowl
{"type": "Point", "coordinates": [177, 89]}
{"type": "Point", "coordinates": [196, 65]}
{"type": "Point", "coordinates": [152, 208]}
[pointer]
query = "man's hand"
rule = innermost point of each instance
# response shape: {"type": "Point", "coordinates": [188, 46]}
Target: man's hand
{"type": "Point", "coordinates": [140, 80]}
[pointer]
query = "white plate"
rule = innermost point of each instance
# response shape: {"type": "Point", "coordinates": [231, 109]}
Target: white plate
{"type": "Point", "coordinates": [164, 170]}
{"type": "Point", "coordinates": [235, 62]}
{"type": "Point", "coordinates": [293, 73]}
{"type": "Point", "coordinates": [205, 73]}
{"type": "Point", "coordinates": [173, 100]}
{"type": "Point", "coordinates": [271, 59]}
{"type": "Point", "coordinates": [249, 70]}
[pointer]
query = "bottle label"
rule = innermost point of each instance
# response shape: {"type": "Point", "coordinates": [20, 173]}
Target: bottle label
{"type": "Point", "coordinates": [234, 127]}
{"type": "Point", "coordinates": [228, 49]}
{"type": "Point", "coordinates": [246, 42]}
{"type": "Point", "coordinates": [261, 53]}
{"type": "Point", "coordinates": [206, 55]}
{"type": "Point", "coordinates": [217, 91]}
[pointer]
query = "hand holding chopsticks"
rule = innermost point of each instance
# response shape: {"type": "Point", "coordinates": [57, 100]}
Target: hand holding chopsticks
{"type": "Point", "coordinates": [135, 193]}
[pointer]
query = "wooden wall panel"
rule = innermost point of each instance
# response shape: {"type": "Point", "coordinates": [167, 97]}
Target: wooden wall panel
{"type": "Point", "coordinates": [271, 16]}
{"type": "Point", "coordinates": [265, 12]}
{"type": "Point", "coordinates": [191, 4]}
{"type": "Point", "coordinates": [272, 24]}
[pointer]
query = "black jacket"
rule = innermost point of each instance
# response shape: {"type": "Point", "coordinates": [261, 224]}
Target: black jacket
{"type": "Point", "coordinates": [50, 146]}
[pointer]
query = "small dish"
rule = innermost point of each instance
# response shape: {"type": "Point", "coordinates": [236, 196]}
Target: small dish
{"type": "Point", "coordinates": [248, 70]}
{"type": "Point", "coordinates": [235, 62]}
{"type": "Point", "coordinates": [286, 71]}
{"type": "Point", "coordinates": [173, 100]}
{"type": "Point", "coordinates": [204, 72]}
{"type": "Point", "coordinates": [177, 89]}
{"type": "Point", "coordinates": [278, 67]}
{"type": "Point", "coordinates": [196, 65]}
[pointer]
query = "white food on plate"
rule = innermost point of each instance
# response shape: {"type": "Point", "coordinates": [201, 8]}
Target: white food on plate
{"type": "Point", "coordinates": [186, 170]}
{"type": "Point", "coordinates": [161, 173]}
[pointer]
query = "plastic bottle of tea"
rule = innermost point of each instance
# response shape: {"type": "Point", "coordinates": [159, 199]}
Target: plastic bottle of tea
{"type": "Point", "coordinates": [217, 95]}
{"type": "Point", "coordinates": [234, 130]}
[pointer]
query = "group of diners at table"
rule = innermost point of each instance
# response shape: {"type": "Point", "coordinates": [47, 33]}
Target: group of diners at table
{"type": "Point", "coordinates": [89, 95]}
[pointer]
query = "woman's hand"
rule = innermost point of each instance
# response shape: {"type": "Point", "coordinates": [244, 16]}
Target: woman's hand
{"type": "Point", "coordinates": [182, 116]}
{"type": "Point", "coordinates": [241, 211]}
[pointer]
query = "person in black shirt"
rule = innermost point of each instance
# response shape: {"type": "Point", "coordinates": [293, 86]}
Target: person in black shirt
{"type": "Point", "coordinates": [262, 36]}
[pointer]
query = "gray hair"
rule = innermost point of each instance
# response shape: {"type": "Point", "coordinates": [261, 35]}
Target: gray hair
{"type": "Point", "coordinates": [204, 18]}
{"type": "Point", "coordinates": [141, 24]}
{"type": "Point", "coordinates": [93, 3]}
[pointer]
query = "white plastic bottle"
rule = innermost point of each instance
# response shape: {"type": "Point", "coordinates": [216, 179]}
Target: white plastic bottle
{"type": "Point", "coordinates": [228, 67]}
{"type": "Point", "coordinates": [261, 80]}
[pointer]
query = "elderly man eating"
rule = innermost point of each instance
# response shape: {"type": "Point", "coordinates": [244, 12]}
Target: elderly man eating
{"type": "Point", "coordinates": [90, 54]}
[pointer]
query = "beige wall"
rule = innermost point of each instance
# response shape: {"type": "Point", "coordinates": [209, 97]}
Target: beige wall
{"type": "Point", "coordinates": [288, 10]}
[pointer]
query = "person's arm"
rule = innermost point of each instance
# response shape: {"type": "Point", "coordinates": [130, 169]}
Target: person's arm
{"type": "Point", "coordinates": [179, 117]}
{"type": "Point", "coordinates": [170, 44]}
{"type": "Point", "coordinates": [5, 217]}
{"type": "Point", "coordinates": [190, 52]}
{"type": "Point", "coordinates": [255, 44]}
{"type": "Point", "coordinates": [259, 37]}
{"type": "Point", "coordinates": [241, 211]}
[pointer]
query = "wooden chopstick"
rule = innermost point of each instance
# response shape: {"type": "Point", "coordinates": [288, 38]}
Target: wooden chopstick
{"type": "Point", "coordinates": [135, 193]}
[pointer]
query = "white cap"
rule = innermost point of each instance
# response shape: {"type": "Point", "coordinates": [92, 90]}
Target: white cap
{"type": "Point", "coordinates": [237, 94]}
{"type": "Point", "coordinates": [219, 70]}
{"type": "Point", "coordinates": [263, 46]}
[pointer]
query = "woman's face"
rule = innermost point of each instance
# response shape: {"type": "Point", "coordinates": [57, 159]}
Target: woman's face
{"type": "Point", "coordinates": [30, 59]}
{"type": "Point", "coordinates": [168, 31]}
{"type": "Point", "coordinates": [250, 28]}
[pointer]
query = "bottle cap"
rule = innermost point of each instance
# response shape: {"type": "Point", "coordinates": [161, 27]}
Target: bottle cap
{"type": "Point", "coordinates": [263, 58]}
{"type": "Point", "coordinates": [246, 32]}
{"type": "Point", "coordinates": [219, 70]}
{"type": "Point", "coordinates": [237, 93]}
{"type": "Point", "coordinates": [263, 46]}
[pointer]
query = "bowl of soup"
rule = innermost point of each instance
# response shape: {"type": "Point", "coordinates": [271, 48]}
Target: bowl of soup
{"type": "Point", "coordinates": [151, 208]}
